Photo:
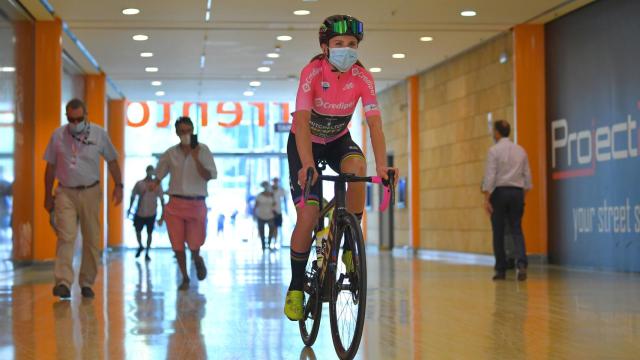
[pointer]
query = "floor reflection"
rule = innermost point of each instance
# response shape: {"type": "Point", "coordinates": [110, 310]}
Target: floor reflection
{"type": "Point", "coordinates": [416, 309]}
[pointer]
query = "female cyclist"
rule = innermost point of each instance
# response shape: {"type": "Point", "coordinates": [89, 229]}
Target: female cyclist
{"type": "Point", "coordinates": [330, 87]}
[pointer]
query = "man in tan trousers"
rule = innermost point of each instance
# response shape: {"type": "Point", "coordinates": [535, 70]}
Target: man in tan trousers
{"type": "Point", "coordinates": [73, 157]}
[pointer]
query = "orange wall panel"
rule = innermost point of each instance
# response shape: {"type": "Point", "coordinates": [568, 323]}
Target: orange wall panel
{"type": "Point", "coordinates": [23, 195]}
{"type": "Point", "coordinates": [413, 94]}
{"type": "Point", "coordinates": [116, 123]}
{"type": "Point", "coordinates": [48, 96]}
{"type": "Point", "coordinates": [529, 71]}
{"type": "Point", "coordinates": [95, 97]}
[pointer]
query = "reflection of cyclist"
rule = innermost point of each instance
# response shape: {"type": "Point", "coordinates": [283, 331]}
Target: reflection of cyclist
{"type": "Point", "coordinates": [330, 87]}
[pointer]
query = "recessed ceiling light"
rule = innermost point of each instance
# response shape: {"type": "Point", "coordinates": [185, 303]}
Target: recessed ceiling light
{"type": "Point", "coordinates": [284, 38]}
{"type": "Point", "coordinates": [7, 69]}
{"type": "Point", "coordinates": [264, 69]}
{"type": "Point", "coordinates": [156, 83]}
{"type": "Point", "coordinates": [267, 62]}
{"type": "Point", "coordinates": [255, 83]}
{"type": "Point", "coordinates": [248, 93]}
{"type": "Point", "coordinates": [426, 38]}
{"type": "Point", "coordinates": [140, 37]}
{"type": "Point", "coordinates": [468, 13]}
{"type": "Point", "coordinates": [151, 69]}
{"type": "Point", "coordinates": [131, 11]}
{"type": "Point", "coordinates": [375, 69]}
{"type": "Point", "coordinates": [273, 55]}
{"type": "Point", "coordinates": [399, 56]}
{"type": "Point", "coordinates": [146, 54]}
{"type": "Point", "coordinates": [159, 93]}
{"type": "Point", "coordinates": [301, 12]}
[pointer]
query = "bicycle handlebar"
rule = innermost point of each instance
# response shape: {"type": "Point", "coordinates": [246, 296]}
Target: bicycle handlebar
{"type": "Point", "coordinates": [389, 185]}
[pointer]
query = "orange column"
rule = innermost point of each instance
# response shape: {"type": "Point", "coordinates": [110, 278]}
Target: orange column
{"type": "Point", "coordinates": [48, 97]}
{"type": "Point", "coordinates": [23, 194]}
{"type": "Point", "coordinates": [529, 71]}
{"type": "Point", "coordinates": [414, 160]}
{"type": "Point", "coordinates": [115, 127]}
{"type": "Point", "coordinates": [95, 97]}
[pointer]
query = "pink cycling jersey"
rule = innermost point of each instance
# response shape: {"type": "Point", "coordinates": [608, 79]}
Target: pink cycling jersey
{"type": "Point", "coordinates": [332, 99]}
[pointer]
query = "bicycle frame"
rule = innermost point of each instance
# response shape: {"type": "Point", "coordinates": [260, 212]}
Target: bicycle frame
{"type": "Point", "coordinates": [338, 204]}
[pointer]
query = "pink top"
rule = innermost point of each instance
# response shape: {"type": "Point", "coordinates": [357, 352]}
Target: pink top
{"type": "Point", "coordinates": [332, 99]}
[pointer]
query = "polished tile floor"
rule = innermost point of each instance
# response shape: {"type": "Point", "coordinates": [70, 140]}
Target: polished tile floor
{"type": "Point", "coordinates": [439, 307]}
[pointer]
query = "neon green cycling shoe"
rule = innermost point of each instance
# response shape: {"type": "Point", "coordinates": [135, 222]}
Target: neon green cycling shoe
{"type": "Point", "coordinates": [293, 305]}
{"type": "Point", "coordinates": [347, 260]}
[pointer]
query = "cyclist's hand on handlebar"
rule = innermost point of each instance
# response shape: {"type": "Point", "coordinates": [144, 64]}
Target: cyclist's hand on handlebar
{"type": "Point", "coordinates": [302, 175]}
{"type": "Point", "coordinates": [383, 172]}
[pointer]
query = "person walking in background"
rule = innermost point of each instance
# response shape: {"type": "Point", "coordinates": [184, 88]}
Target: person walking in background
{"type": "Point", "coordinates": [190, 166]}
{"type": "Point", "coordinates": [6, 192]}
{"type": "Point", "coordinates": [280, 197]}
{"type": "Point", "coordinates": [506, 181]}
{"type": "Point", "coordinates": [73, 157]}
{"type": "Point", "coordinates": [264, 212]}
{"type": "Point", "coordinates": [232, 218]}
{"type": "Point", "coordinates": [221, 219]}
{"type": "Point", "coordinates": [148, 194]}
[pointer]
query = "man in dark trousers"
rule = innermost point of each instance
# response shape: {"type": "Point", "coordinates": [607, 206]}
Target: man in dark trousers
{"type": "Point", "coordinates": [506, 181]}
{"type": "Point", "coordinates": [145, 215]}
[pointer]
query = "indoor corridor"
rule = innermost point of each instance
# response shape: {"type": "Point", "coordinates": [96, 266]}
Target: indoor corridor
{"type": "Point", "coordinates": [439, 307]}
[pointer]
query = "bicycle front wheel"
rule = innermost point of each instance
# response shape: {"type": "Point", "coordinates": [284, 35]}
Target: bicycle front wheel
{"type": "Point", "coordinates": [348, 302]}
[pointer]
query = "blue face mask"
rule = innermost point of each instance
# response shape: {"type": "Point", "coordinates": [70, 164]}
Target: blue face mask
{"type": "Point", "coordinates": [343, 58]}
{"type": "Point", "coordinates": [79, 127]}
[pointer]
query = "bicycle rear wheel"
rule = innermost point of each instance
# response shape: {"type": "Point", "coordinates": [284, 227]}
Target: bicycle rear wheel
{"type": "Point", "coordinates": [310, 324]}
{"type": "Point", "coordinates": [347, 306]}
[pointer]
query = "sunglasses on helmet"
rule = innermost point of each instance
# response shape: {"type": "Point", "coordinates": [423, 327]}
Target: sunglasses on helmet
{"type": "Point", "coordinates": [347, 26]}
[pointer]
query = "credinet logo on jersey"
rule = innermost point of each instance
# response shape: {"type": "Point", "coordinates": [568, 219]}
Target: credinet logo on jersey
{"type": "Point", "coordinates": [576, 153]}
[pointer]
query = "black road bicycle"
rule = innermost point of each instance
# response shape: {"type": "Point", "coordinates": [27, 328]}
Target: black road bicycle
{"type": "Point", "coordinates": [327, 277]}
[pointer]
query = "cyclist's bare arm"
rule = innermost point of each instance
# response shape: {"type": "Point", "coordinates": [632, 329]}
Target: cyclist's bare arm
{"type": "Point", "coordinates": [379, 147]}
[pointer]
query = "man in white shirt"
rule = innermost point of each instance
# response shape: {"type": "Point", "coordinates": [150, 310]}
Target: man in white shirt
{"type": "Point", "coordinates": [148, 194]}
{"type": "Point", "coordinates": [190, 166]}
{"type": "Point", "coordinates": [264, 212]}
{"type": "Point", "coordinates": [73, 157]}
{"type": "Point", "coordinates": [280, 196]}
{"type": "Point", "coordinates": [507, 179]}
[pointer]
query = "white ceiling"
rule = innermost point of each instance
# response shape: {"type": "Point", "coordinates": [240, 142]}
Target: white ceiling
{"type": "Point", "coordinates": [241, 32]}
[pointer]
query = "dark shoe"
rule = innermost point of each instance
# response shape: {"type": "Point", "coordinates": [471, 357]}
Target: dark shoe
{"type": "Point", "coordinates": [522, 272]}
{"type": "Point", "coordinates": [499, 276]}
{"type": "Point", "coordinates": [87, 292]}
{"type": "Point", "coordinates": [511, 264]}
{"type": "Point", "coordinates": [184, 286]}
{"type": "Point", "coordinates": [147, 258]}
{"type": "Point", "coordinates": [62, 291]}
{"type": "Point", "coordinates": [139, 252]}
{"type": "Point", "coordinates": [201, 269]}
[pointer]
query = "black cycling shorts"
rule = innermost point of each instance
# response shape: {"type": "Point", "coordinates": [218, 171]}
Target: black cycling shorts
{"type": "Point", "coordinates": [140, 222]}
{"type": "Point", "coordinates": [333, 153]}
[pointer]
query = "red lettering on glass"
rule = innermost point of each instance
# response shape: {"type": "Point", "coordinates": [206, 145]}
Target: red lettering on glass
{"type": "Point", "coordinates": [166, 114]}
{"type": "Point", "coordinates": [285, 112]}
{"type": "Point", "coordinates": [145, 115]}
{"type": "Point", "coordinates": [237, 112]}
{"type": "Point", "coordinates": [204, 113]}
{"type": "Point", "coordinates": [262, 121]}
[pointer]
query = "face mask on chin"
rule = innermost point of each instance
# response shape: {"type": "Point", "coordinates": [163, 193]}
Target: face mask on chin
{"type": "Point", "coordinates": [343, 58]}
